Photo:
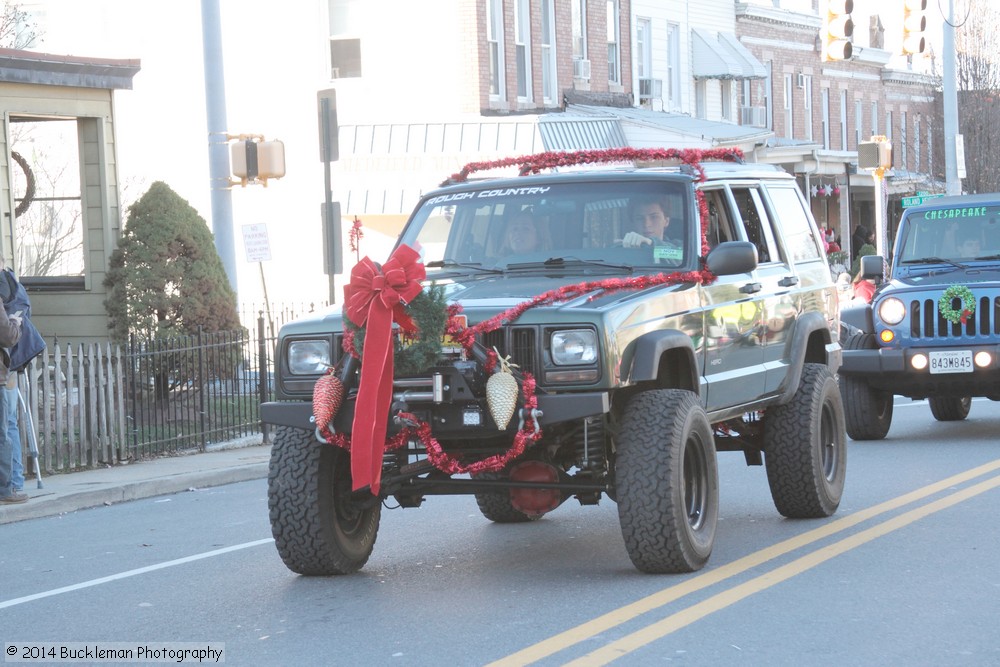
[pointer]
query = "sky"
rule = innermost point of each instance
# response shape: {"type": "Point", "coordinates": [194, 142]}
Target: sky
{"type": "Point", "coordinates": [272, 75]}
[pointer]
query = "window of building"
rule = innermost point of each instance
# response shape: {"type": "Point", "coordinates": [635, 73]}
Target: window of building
{"type": "Point", "coordinates": [859, 121]}
{"type": "Point", "coordinates": [902, 140]}
{"type": "Point", "coordinates": [673, 65]}
{"type": "Point", "coordinates": [614, 30]}
{"type": "Point", "coordinates": [768, 96]}
{"type": "Point", "coordinates": [843, 120]}
{"type": "Point", "coordinates": [48, 226]}
{"type": "Point", "coordinates": [888, 125]}
{"type": "Point", "coordinates": [824, 97]}
{"type": "Point", "coordinates": [875, 119]}
{"type": "Point", "coordinates": [522, 48]}
{"type": "Point", "coordinates": [807, 104]}
{"type": "Point", "coordinates": [916, 142]}
{"type": "Point", "coordinates": [345, 58]}
{"type": "Point", "coordinates": [578, 16]}
{"type": "Point", "coordinates": [727, 99]}
{"type": "Point", "coordinates": [930, 148]}
{"type": "Point", "coordinates": [789, 86]}
{"type": "Point", "coordinates": [494, 42]}
{"type": "Point", "coordinates": [550, 86]}
{"type": "Point", "coordinates": [701, 98]}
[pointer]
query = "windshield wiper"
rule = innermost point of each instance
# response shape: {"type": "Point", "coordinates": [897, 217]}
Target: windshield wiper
{"type": "Point", "coordinates": [452, 264]}
{"type": "Point", "coordinates": [934, 260]}
{"type": "Point", "coordinates": [987, 258]}
{"type": "Point", "coordinates": [570, 262]}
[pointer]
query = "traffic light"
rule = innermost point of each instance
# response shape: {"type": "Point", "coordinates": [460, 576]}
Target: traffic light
{"type": "Point", "coordinates": [914, 25]}
{"type": "Point", "coordinates": [837, 30]}
{"type": "Point", "coordinates": [257, 160]}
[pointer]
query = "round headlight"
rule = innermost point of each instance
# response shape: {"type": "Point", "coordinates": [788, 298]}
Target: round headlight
{"type": "Point", "coordinates": [308, 357]}
{"type": "Point", "coordinates": [574, 347]}
{"type": "Point", "coordinates": [892, 311]}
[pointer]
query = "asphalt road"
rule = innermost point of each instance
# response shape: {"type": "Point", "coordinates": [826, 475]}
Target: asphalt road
{"type": "Point", "coordinates": [904, 574]}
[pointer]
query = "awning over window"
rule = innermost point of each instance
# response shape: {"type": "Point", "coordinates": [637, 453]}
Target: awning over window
{"type": "Point", "coordinates": [721, 56]}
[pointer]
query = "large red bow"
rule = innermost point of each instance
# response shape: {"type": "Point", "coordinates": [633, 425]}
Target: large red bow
{"type": "Point", "coordinates": [374, 299]}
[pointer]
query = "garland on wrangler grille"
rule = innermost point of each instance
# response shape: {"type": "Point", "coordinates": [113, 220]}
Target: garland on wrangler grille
{"type": "Point", "coordinates": [968, 304]}
{"type": "Point", "coordinates": [380, 296]}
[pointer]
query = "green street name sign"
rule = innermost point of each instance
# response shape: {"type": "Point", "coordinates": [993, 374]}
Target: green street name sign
{"type": "Point", "coordinates": [918, 200]}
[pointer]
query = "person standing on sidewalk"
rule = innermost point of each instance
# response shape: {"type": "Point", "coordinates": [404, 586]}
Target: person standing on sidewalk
{"type": "Point", "coordinates": [10, 333]}
{"type": "Point", "coordinates": [30, 345]}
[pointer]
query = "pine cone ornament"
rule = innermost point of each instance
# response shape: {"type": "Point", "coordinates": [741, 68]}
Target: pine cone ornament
{"type": "Point", "coordinates": [328, 394]}
{"type": "Point", "coordinates": [501, 393]}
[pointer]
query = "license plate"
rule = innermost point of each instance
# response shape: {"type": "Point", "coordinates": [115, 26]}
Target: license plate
{"type": "Point", "coordinates": [951, 361]}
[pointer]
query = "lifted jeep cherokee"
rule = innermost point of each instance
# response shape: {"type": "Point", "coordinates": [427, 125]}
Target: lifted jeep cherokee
{"type": "Point", "coordinates": [636, 360]}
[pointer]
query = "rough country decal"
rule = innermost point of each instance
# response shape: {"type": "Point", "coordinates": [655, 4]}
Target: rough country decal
{"type": "Point", "coordinates": [512, 192]}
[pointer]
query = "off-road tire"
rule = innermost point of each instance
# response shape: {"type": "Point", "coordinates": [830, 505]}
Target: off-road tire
{"type": "Point", "coordinates": [867, 411]}
{"type": "Point", "coordinates": [667, 482]}
{"type": "Point", "coordinates": [318, 528]}
{"type": "Point", "coordinates": [950, 408]}
{"type": "Point", "coordinates": [806, 451]}
{"type": "Point", "coordinates": [496, 505]}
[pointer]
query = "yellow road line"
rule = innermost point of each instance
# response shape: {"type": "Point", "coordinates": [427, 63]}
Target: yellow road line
{"type": "Point", "coordinates": [623, 614]}
{"type": "Point", "coordinates": [674, 622]}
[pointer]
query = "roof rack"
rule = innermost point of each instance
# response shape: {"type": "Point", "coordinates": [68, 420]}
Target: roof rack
{"type": "Point", "coordinates": [533, 164]}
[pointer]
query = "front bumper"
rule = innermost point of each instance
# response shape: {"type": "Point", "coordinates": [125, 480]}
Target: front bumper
{"type": "Point", "coordinates": [891, 370]}
{"type": "Point", "coordinates": [555, 408]}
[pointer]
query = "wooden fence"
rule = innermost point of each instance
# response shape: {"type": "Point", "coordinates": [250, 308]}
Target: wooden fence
{"type": "Point", "coordinates": [99, 405]}
{"type": "Point", "coordinates": [74, 398]}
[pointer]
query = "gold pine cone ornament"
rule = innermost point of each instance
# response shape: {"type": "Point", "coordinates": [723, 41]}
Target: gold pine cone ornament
{"type": "Point", "coordinates": [501, 392]}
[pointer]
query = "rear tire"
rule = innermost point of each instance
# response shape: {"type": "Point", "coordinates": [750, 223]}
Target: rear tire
{"type": "Point", "coordinates": [667, 482]}
{"type": "Point", "coordinates": [319, 527]}
{"type": "Point", "coordinates": [867, 411]}
{"type": "Point", "coordinates": [496, 505]}
{"type": "Point", "coordinates": [806, 450]}
{"type": "Point", "coordinates": [950, 408]}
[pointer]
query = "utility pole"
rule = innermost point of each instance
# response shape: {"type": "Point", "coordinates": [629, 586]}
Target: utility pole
{"type": "Point", "coordinates": [218, 139]}
{"type": "Point", "coordinates": [953, 183]}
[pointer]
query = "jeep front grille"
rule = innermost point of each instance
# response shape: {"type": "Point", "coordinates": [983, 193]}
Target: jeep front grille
{"type": "Point", "coordinates": [926, 322]}
{"type": "Point", "coordinates": [517, 342]}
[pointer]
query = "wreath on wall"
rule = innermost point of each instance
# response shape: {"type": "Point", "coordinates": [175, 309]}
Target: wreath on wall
{"type": "Point", "coordinates": [953, 315]}
{"type": "Point", "coordinates": [24, 203]}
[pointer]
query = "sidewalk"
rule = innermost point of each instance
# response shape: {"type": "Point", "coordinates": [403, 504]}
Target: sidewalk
{"type": "Point", "coordinates": [223, 464]}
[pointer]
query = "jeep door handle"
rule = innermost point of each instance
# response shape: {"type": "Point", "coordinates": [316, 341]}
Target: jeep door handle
{"type": "Point", "coordinates": [750, 288]}
{"type": "Point", "coordinates": [788, 281]}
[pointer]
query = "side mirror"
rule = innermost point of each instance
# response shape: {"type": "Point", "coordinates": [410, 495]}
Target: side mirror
{"type": "Point", "coordinates": [871, 266]}
{"type": "Point", "coordinates": [731, 257]}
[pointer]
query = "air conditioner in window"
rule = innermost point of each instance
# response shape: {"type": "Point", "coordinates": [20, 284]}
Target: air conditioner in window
{"type": "Point", "coordinates": [581, 69]}
{"type": "Point", "coordinates": [650, 89]}
{"type": "Point", "coordinates": [753, 116]}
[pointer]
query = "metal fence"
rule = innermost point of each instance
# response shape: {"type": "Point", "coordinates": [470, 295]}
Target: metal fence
{"type": "Point", "coordinates": [99, 405]}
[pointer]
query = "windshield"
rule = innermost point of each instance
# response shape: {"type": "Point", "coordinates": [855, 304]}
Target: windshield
{"type": "Point", "coordinates": [955, 234]}
{"type": "Point", "coordinates": [629, 223]}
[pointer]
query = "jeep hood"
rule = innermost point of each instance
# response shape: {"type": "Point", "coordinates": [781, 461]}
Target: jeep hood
{"type": "Point", "coordinates": [941, 280]}
{"type": "Point", "coordinates": [498, 293]}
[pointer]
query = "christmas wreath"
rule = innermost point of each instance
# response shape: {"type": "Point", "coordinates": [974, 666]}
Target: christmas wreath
{"type": "Point", "coordinates": [968, 304]}
{"type": "Point", "coordinates": [413, 352]}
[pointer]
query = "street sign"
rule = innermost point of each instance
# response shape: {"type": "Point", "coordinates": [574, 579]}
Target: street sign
{"type": "Point", "coordinates": [918, 200]}
{"type": "Point", "coordinates": [255, 241]}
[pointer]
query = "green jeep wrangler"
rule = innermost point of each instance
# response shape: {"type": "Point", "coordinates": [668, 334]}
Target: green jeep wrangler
{"type": "Point", "coordinates": [599, 331]}
{"type": "Point", "coordinates": [932, 329]}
